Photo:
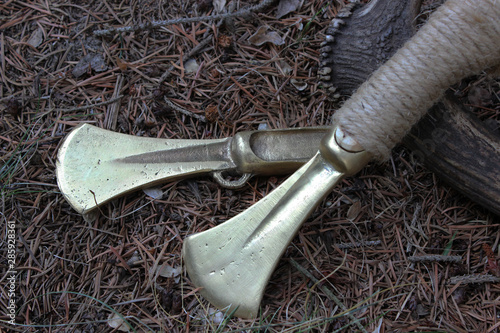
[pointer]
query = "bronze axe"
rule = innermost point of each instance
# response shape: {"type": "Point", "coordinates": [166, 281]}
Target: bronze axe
{"type": "Point", "coordinates": [96, 165]}
{"type": "Point", "coordinates": [232, 262]}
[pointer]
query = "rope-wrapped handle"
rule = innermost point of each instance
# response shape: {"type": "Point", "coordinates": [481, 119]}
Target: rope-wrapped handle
{"type": "Point", "coordinates": [460, 39]}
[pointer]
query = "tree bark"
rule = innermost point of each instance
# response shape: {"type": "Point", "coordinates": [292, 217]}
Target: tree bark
{"type": "Point", "coordinates": [457, 146]}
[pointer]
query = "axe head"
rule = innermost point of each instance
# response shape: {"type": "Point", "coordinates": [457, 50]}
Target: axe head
{"type": "Point", "coordinates": [228, 282]}
{"type": "Point", "coordinates": [95, 165]}
{"type": "Point", "coordinates": [233, 261]}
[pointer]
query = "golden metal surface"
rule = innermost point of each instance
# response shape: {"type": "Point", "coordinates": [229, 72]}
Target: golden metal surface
{"type": "Point", "coordinates": [96, 165]}
{"type": "Point", "coordinates": [275, 152]}
{"type": "Point", "coordinates": [234, 261]}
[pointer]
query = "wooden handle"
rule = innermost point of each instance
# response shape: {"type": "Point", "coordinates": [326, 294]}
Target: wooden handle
{"type": "Point", "coordinates": [459, 40]}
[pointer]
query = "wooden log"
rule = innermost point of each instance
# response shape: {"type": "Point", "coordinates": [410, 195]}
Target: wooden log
{"type": "Point", "coordinates": [361, 38]}
{"type": "Point", "coordinates": [450, 140]}
{"type": "Point", "coordinates": [461, 150]}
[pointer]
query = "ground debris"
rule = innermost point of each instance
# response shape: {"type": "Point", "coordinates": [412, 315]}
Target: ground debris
{"type": "Point", "coordinates": [55, 75]}
{"type": "Point", "coordinates": [90, 61]}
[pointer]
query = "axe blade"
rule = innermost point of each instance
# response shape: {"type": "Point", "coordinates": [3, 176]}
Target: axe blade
{"type": "Point", "coordinates": [233, 262]}
{"type": "Point", "coordinates": [95, 165]}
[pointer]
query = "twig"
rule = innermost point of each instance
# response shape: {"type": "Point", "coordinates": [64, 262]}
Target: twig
{"type": "Point", "coordinates": [156, 24]}
{"type": "Point", "coordinates": [184, 111]}
{"type": "Point", "coordinates": [23, 98]}
{"type": "Point", "coordinates": [85, 107]}
{"type": "Point", "coordinates": [328, 293]}
{"type": "Point", "coordinates": [435, 258]}
{"type": "Point", "coordinates": [474, 278]}
{"type": "Point", "coordinates": [112, 112]}
{"type": "Point", "coordinates": [411, 230]}
{"type": "Point", "coordinates": [357, 244]}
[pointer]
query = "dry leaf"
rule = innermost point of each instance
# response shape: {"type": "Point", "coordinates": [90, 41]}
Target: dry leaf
{"type": "Point", "coordinates": [121, 64]}
{"type": "Point", "coordinates": [115, 321]}
{"type": "Point", "coordinates": [218, 5]}
{"type": "Point", "coordinates": [13, 107]}
{"type": "Point", "coordinates": [168, 271]}
{"type": "Point", "coordinates": [422, 310]}
{"type": "Point", "coordinates": [36, 38]}
{"type": "Point", "coordinates": [191, 66]}
{"type": "Point", "coordinates": [493, 265]}
{"type": "Point", "coordinates": [212, 113]}
{"type": "Point", "coordinates": [354, 210]}
{"type": "Point", "coordinates": [287, 6]}
{"type": "Point", "coordinates": [263, 36]}
{"type": "Point", "coordinates": [216, 315]}
{"type": "Point", "coordinates": [153, 192]}
{"type": "Point", "coordinates": [91, 216]}
{"type": "Point", "coordinates": [91, 60]}
{"type": "Point", "coordinates": [135, 257]}
{"type": "Point", "coordinates": [225, 41]}
{"type": "Point", "coordinates": [97, 63]}
{"type": "Point", "coordinates": [284, 67]}
{"type": "Point", "coordinates": [299, 24]}
{"type": "Point", "coordinates": [299, 85]}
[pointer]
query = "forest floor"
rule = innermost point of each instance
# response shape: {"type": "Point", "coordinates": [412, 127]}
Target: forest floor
{"type": "Point", "coordinates": [352, 266]}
